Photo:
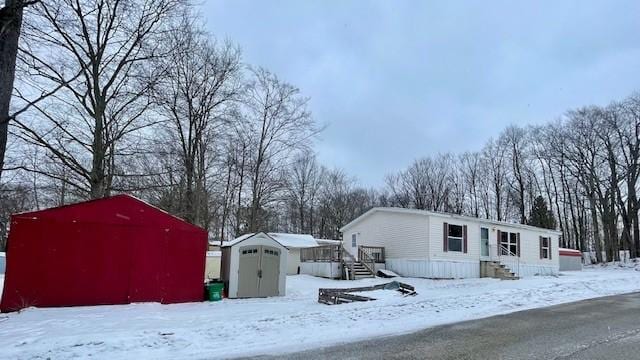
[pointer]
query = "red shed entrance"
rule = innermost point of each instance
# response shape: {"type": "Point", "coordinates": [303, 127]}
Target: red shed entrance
{"type": "Point", "coordinates": [115, 250]}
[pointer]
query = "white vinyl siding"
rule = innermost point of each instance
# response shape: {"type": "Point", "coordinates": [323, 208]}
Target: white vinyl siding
{"type": "Point", "coordinates": [436, 247]}
{"type": "Point", "coordinates": [529, 246]}
{"type": "Point", "coordinates": [293, 261]}
{"type": "Point", "coordinates": [404, 236]}
{"type": "Point", "coordinates": [529, 243]}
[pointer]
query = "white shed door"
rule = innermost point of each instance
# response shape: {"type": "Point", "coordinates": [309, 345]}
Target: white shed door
{"type": "Point", "coordinates": [248, 271]}
{"type": "Point", "coordinates": [269, 271]}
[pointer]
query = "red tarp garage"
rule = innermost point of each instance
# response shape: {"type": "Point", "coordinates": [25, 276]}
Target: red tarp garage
{"type": "Point", "coordinates": [115, 250]}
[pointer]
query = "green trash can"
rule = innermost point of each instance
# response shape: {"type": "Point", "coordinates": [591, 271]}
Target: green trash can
{"type": "Point", "coordinates": [214, 291]}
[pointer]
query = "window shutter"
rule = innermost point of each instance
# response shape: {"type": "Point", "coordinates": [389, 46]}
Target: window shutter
{"type": "Point", "coordinates": [498, 243]}
{"type": "Point", "coordinates": [464, 238]}
{"type": "Point", "coordinates": [550, 247]}
{"type": "Point", "coordinates": [541, 254]}
{"type": "Point", "coordinates": [445, 236]}
{"type": "Point", "coordinates": [518, 243]}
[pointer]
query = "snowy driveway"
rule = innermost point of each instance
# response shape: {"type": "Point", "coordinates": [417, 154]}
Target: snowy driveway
{"type": "Point", "coordinates": [292, 323]}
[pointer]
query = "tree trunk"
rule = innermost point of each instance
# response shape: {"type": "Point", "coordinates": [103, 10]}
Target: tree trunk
{"type": "Point", "coordinates": [10, 24]}
{"type": "Point", "coordinates": [498, 201]}
{"type": "Point", "coordinates": [239, 199]}
{"type": "Point", "coordinates": [227, 196]}
{"type": "Point", "coordinates": [596, 232]}
{"type": "Point", "coordinates": [633, 215]}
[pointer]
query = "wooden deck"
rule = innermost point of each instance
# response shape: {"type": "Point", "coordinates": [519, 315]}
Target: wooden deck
{"type": "Point", "coordinates": [352, 268]}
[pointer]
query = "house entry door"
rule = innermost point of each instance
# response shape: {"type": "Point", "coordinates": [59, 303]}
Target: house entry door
{"type": "Point", "coordinates": [484, 243]}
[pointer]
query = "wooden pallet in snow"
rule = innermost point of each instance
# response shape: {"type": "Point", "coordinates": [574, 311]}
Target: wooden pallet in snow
{"type": "Point", "coordinates": [345, 295]}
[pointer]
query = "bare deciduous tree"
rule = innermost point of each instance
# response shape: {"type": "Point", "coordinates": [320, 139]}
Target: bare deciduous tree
{"type": "Point", "coordinates": [99, 53]}
{"type": "Point", "coordinates": [200, 84]}
{"type": "Point", "coordinates": [279, 124]}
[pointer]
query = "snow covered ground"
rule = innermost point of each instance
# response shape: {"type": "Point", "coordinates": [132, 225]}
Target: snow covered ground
{"type": "Point", "coordinates": [295, 322]}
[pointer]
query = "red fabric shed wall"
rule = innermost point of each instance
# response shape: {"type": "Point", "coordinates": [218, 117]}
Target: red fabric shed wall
{"type": "Point", "coordinates": [110, 251]}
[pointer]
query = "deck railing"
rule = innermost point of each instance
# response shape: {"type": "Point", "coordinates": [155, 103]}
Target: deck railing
{"type": "Point", "coordinates": [367, 255]}
{"type": "Point", "coordinates": [323, 253]}
{"type": "Point", "coordinates": [366, 260]}
{"type": "Point", "coordinates": [374, 252]}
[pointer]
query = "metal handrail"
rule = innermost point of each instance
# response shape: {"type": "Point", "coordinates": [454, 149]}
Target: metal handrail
{"type": "Point", "coordinates": [511, 254]}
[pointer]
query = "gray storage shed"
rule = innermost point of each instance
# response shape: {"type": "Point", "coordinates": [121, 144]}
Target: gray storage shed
{"type": "Point", "coordinates": [254, 265]}
{"type": "Point", "coordinates": [570, 260]}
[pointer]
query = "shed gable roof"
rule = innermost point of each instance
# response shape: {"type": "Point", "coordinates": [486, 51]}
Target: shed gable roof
{"type": "Point", "coordinates": [249, 236]}
{"type": "Point", "coordinates": [118, 209]}
{"type": "Point", "coordinates": [285, 239]}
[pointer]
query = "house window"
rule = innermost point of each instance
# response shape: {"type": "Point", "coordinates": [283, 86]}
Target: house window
{"type": "Point", "coordinates": [508, 244]}
{"type": "Point", "coordinates": [545, 247]}
{"type": "Point", "coordinates": [353, 240]}
{"type": "Point", "coordinates": [454, 239]}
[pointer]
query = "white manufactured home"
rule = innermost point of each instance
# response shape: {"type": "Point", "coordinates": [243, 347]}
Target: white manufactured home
{"type": "Point", "coordinates": [420, 243]}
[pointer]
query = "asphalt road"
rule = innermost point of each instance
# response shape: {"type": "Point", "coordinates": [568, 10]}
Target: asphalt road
{"type": "Point", "coordinates": [605, 328]}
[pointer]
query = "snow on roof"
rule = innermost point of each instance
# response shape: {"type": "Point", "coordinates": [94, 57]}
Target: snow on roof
{"type": "Point", "coordinates": [443, 214]}
{"type": "Point", "coordinates": [286, 240]}
{"type": "Point", "coordinates": [328, 242]}
{"type": "Point", "coordinates": [295, 240]}
{"type": "Point", "coordinates": [214, 253]}
{"type": "Point", "coordinates": [238, 239]}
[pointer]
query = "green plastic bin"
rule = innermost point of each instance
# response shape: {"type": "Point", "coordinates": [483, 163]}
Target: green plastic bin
{"type": "Point", "coordinates": [214, 291]}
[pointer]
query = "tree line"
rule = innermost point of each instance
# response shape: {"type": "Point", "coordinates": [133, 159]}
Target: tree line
{"type": "Point", "coordinates": [136, 96]}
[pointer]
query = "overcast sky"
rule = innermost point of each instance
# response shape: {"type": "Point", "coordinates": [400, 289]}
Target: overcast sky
{"type": "Point", "coordinates": [397, 80]}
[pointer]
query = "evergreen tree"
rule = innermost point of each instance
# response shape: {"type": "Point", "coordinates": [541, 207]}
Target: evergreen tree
{"type": "Point", "coordinates": [541, 216]}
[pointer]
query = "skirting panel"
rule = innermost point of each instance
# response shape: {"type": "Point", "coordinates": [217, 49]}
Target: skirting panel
{"type": "Point", "coordinates": [438, 269]}
{"type": "Point", "coordinates": [535, 270]}
{"type": "Point", "coordinates": [322, 269]}
{"type": "Point", "coordinates": [566, 263]}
